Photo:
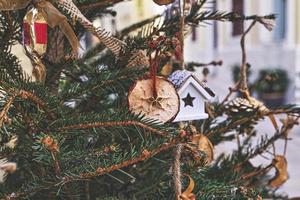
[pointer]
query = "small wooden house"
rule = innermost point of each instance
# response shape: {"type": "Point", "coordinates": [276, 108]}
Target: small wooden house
{"type": "Point", "coordinates": [192, 93]}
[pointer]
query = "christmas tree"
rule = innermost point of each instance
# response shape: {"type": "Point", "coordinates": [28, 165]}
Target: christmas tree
{"type": "Point", "coordinates": [111, 124]}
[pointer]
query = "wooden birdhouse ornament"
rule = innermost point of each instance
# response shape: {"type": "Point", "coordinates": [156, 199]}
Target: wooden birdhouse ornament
{"type": "Point", "coordinates": [192, 94]}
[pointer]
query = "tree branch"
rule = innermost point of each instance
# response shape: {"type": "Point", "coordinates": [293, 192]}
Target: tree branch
{"type": "Point", "coordinates": [112, 124]}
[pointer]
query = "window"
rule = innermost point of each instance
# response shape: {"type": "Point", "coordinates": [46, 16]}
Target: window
{"type": "Point", "coordinates": [238, 26]}
{"type": "Point", "coordinates": [280, 11]}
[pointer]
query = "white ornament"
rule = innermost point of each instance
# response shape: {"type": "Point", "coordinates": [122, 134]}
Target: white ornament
{"type": "Point", "coordinates": [192, 93]}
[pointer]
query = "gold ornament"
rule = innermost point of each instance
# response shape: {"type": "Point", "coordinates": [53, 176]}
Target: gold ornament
{"type": "Point", "coordinates": [281, 176]}
{"type": "Point", "coordinates": [188, 193]}
{"type": "Point", "coordinates": [163, 2]}
{"type": "Point", "coordinates": [164, 107]}
{"type": "Point", "coordinates": [35, 32]}
{"type": "Point", "coordinates": [204, 144]}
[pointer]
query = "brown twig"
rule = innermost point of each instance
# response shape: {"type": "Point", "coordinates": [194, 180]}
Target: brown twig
{"type": "Point", "coordinates": [24, 95]}
{"type": "Point", "coordinates": [231, 91]}
{"type": "Point", "coordinates": [177, 170]}
{"type": "Point", "coordinates": [243, 83]}
{"type": "Point", "coordinates": [253, 174]}
{"type": "Point", "coordinates": [230, 126]}
{"type": "Point", "coordinates": [3, 113]}
{"type": "Point", "coordinates": [100, 171]}
{"type": "Point", "coordinates": [28, 95]}
{"type": "Point", "coordinates": [143, 156]}
{"type": "Point", "coordinates": [182, 24]}
{"type": "Point", "coordinates": [56, 163]}
{"type": "Point", "coordinates": [245, 120]}
{"type": "Point", "coordinates": [111, 124]}
{"type": "Point", "coordinates": [212, 63]}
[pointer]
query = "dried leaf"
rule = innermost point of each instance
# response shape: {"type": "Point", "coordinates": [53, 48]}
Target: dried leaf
{"type": "Point", "coordinates": [204, 144]}
{"type": "Point", "coordinates": [287, 125]}
{"type": "Point", "coordinates": [281, 176]}
{"type": "Point", "coordinates": [188, 193]}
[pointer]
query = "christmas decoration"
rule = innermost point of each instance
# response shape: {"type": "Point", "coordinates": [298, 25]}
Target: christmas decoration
{"type": "Point", "coordinates": [44, 12]}
{"type": "Point", "coordinates": [192, 93]}
{"type": "Point", "coordinates": [163, 2]}
{"type": "Point", "coordinates": [203, 144]}
{"type": "Point", "coordinates": [249, 105]}
{"type": "Point", "coordinates": [35, 32]}
{"type": "Point", "coordinates": [35, 24]}
{"type": "Point", "coordinates": [96, 149]}
{"type": "Point", "coordinates": [163, 107]}
{"type": "Point", "coordinates": [281, 176]}
{"type": "Point", "coordinates": [199, 147]}
{"type": "Point", "coordinates": [238, 105]}
{"type": "Point", "coordinates": [110, 42]}
{"type": "Point", "coordinates": [188, 193]}
{"type": "Point", "coordinates": [161, 99]}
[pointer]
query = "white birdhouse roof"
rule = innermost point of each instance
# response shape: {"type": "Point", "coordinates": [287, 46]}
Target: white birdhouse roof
{"type": "Point", "coordinates": [183, 78]}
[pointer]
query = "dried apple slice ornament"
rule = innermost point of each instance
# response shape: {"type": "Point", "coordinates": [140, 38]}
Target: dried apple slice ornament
{"type": "Point", "coordinates": [155, 96]}
{"type": "Point", "coordinates": [162, 105]}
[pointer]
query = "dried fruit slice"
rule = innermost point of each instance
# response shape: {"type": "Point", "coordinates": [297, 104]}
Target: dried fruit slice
{"type": "Point", "coordinates": [163, 108]}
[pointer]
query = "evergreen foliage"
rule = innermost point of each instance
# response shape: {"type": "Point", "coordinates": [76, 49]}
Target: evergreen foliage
{"type": "Point", "coordinates": [105, 152]}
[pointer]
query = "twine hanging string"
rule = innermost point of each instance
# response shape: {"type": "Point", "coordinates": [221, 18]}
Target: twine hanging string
{"type": "Point", "coordinates": [177, 171]}
{"type": "Point", "coordinates": [182, 24]}
{"type": "Point", "coordinates": [178, 150]}
{"type": "Point", "coordinates": [153, 72]}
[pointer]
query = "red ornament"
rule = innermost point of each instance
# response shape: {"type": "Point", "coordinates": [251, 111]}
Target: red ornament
{"type": "Point", "coordinates": [35, 32]}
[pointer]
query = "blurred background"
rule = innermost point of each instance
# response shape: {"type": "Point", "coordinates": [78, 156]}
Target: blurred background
{"type": "Point", "coordinates": [275, 54]}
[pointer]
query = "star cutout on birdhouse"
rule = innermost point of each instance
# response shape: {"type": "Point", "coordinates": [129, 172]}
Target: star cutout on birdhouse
{"type": "Point", "coordinates": [188, 100]}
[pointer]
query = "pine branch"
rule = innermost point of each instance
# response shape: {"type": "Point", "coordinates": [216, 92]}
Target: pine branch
{"type": "Point", "coordinates": [121, 119]}
{"type": "Point", "coordinates": [26, 96]}
{"type": "Point", "coordinates": [145, 154]}
{"type": "Point", "coordinates": [112, 124]}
